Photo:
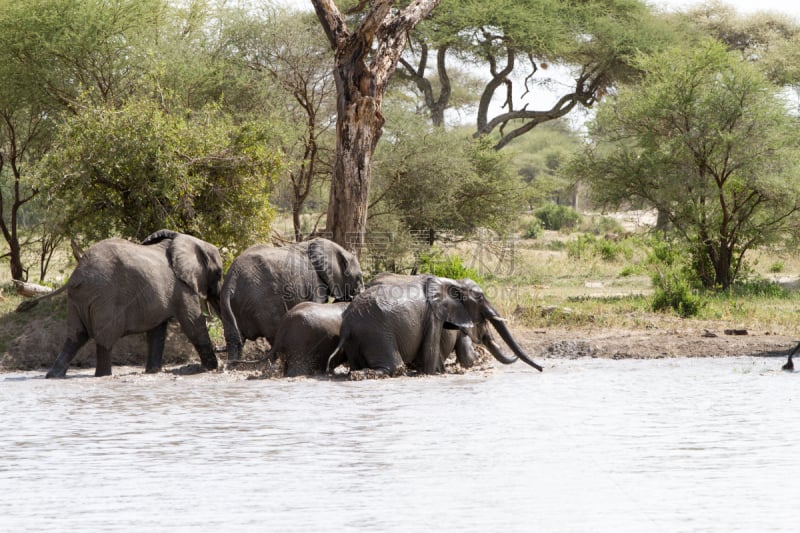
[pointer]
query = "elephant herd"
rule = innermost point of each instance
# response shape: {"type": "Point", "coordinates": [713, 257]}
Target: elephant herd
{"type": "Point", "coordinates": [393, 323]}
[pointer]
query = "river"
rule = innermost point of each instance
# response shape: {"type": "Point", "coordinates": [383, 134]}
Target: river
{"type": "Point", "coordinates": [588, 445]}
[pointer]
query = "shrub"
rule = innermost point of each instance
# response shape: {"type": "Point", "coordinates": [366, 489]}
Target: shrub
{"type": "Point", "coordinates": [603, 226]}
{"type": "Point", "coordinates": [533, 230]}
{"type": "Point", "coordinates": [776, 267]}
{"type": "Point", "coordinates": [589, 245]}
{"type": "Point", "coordinates": [556, 217]}
{"type": "Point", "coordinates": [671, 290]}
{"type": "Point", "coordinates": [674, 280]}
{"type": "Point", "coordinates": [759, 287]}
{"type": "Point", "coordinates": [448, 266]}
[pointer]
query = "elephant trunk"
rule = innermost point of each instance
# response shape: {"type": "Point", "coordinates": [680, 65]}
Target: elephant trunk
{"type": "Point", "coordinates": [500, 325]}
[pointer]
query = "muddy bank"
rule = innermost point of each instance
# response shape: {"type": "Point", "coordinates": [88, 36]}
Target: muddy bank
{"type": "Point", "coordinates": [34, 344]}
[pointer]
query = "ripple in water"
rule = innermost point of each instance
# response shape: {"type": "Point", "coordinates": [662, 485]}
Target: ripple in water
{"type": "Point", "coordinates": [588, 445]}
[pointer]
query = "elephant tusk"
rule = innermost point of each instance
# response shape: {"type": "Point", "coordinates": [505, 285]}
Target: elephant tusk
{"type": "Point", "coordinates": [502, 329]}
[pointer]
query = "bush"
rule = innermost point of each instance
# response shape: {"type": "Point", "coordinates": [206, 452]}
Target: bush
{"type": "Point", "coordinates": [674, 280]}
{"type": "Point", "coordinates": [604, 226]}
{"type": "Point", "coordinates": [533, 230]}
{"type": "Point", "coordinates": [759, 287]}
{"type": "Point", "coordinates": [556, 217]}
{"type": "Point", "coordinates": [589, 245]}
{"type": "Point", "coordinates": [776, 267]}
{"type": "Point", "coordinates": [673, 291]}
{"type": "Point", "coordinates": [448, 266]}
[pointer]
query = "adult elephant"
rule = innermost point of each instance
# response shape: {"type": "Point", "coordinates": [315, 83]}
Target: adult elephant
{"type": "Point", "coordinates": [120, 288]}
{"type": "Point", "coordinates": [404, 321]}
{"type": "Point", "coordinates": [307, 335]}
{"type": "Point", "coordinates": [265, 282]}
{"type": "Point", "coordinates": [460, 340]}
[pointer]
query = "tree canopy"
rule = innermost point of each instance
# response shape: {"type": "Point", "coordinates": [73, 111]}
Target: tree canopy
{"type": "Point", "coordinates": [140, 167]}
{"type": "Point", "coordinates": [514, 43]}
{"type": "Point", "coordinates": [706, 140]}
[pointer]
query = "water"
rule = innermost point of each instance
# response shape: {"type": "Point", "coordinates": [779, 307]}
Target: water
{"type": "Point", "coordinates": [588, 445]}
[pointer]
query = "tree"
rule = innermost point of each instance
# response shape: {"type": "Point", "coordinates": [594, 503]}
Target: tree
{"type": "Point", "coordinates": [706, 140]}
{"type": "Point", "coordinates": [51, 51]}
{"type": "Point", "coordinates": [771, 41]}
{"type": "Point", "coordinates": [364, 61]}
{"type": "Point", "coordinates": [512, 40]}
{"type": "Point", "coordinates": [439, 181]}
{"type": "Point", "coordinates": [295, 56]}
{"type": "Point", "coordinates": [131, 170]}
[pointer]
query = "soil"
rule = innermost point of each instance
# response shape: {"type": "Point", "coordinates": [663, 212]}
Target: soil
{"type": "Point", "coordinates": [34, 344]}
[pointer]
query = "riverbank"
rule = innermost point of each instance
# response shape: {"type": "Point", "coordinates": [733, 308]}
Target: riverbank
{"type": "Point", "coordinates": [33, 343]}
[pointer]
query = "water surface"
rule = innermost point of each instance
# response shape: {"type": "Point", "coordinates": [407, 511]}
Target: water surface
{"type": "Point", "coordinates": [588, 445]}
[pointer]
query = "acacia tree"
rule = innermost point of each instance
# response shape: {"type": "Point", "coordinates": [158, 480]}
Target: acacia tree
{"type": "Point", "coordinates": [364, 60]}
{"type": "Point", "coordinates": [514, 42]}
{"type": "Point", "coordinates": [771, 41]}
{"type": "Point", "coordinates": [706, 140]}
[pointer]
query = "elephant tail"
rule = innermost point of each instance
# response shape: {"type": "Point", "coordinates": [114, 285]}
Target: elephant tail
{"type": "Point", "coordinates": [233, 337]}
{"type": "Point", "coordinates": [337, 351]}
{"type": "Point", "coordinates": [27, 305]}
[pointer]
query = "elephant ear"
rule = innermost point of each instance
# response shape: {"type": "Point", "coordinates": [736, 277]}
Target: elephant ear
{"type": "Point", "coordinates": [446, 297]}
{"type": "Point", "coordinates": [326, 258]}
{"type": "Point", "coordinates": [192, 264]}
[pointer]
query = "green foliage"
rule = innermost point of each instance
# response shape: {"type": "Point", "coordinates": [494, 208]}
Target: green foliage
{"type": "Point", "coordinates": [759, 287]}
{"type": "Point", "coordinates": [132, 170]}
{"type": "Point", "coordinates": [533, 229]}
{"type": "Point", "coordinates": [706, 140]}
{"type": "Point", "coordinates": [557, 217]}
{"type": "Point", "coordinates": [675, 283]}
{"type": "Point", "coordinates": [603, 226]}
{"type": "Point", "coordinates": [537, 158]}
{"type": "Point", "coordinates": [448, 266]}
{"type": "Point", "coordinates": [776, 267]}
{"type": "Point", "coordinates": [671, 291]}
{"type": "Point", "coordinates": [587, 245]}
{"type": "Point", "coordinates": [434, 179]}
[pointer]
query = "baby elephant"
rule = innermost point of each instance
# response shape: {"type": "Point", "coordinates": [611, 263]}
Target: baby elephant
{"type": "Point", "coordinates": [307, 334]}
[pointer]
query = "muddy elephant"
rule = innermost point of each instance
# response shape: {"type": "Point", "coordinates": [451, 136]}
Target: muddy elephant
{"type": "Point", "coordinates": [459, 341]}
{"type": "Point", "coordinates": [307, 335]}
{"type": "Point", "coordinates": [120, 287]}
{"type": "Point", "coordinates": [415, 321]}
{"type": "Point", "coordinates": [265, 282]}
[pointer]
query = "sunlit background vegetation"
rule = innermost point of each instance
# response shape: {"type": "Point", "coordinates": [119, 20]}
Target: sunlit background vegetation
{"type": "Point", "coordinates": [587, 161]}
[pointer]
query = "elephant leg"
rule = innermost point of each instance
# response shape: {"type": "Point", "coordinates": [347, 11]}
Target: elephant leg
{"type": "Point", "coordinates": [234, 347]}
{"type": "Point", "coordinates": [156, 338]}
{"type": "Point", "coordinates": [67, 354]}
{"type": "Point", "coordinates": [389, 366]}
{"type": "Point", "coordinates": [103, 367]}
{"type": "Point", "coordinates": [194, 327]}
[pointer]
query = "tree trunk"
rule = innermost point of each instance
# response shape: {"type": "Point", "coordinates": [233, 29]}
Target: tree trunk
{"type": "Point", "coordinates": [364, 61]}
{"type": "Point", "coordinates": [359, 126]}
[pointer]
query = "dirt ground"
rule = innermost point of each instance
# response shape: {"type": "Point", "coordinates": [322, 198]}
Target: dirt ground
{"type": "Point", "coordinates": [34, 346]}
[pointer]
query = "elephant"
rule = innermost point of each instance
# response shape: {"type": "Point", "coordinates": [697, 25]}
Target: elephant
{"type": "Point", "coordinates": [264, 282]}
{"type": "Point", "coordinates": [120, 287]}
{"type": "Point", "coordinates": [458, 340]}
{"type": "Point", "coordinates": [416, 321]}
{"type": "Point", "coordinates": [307, 334]}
